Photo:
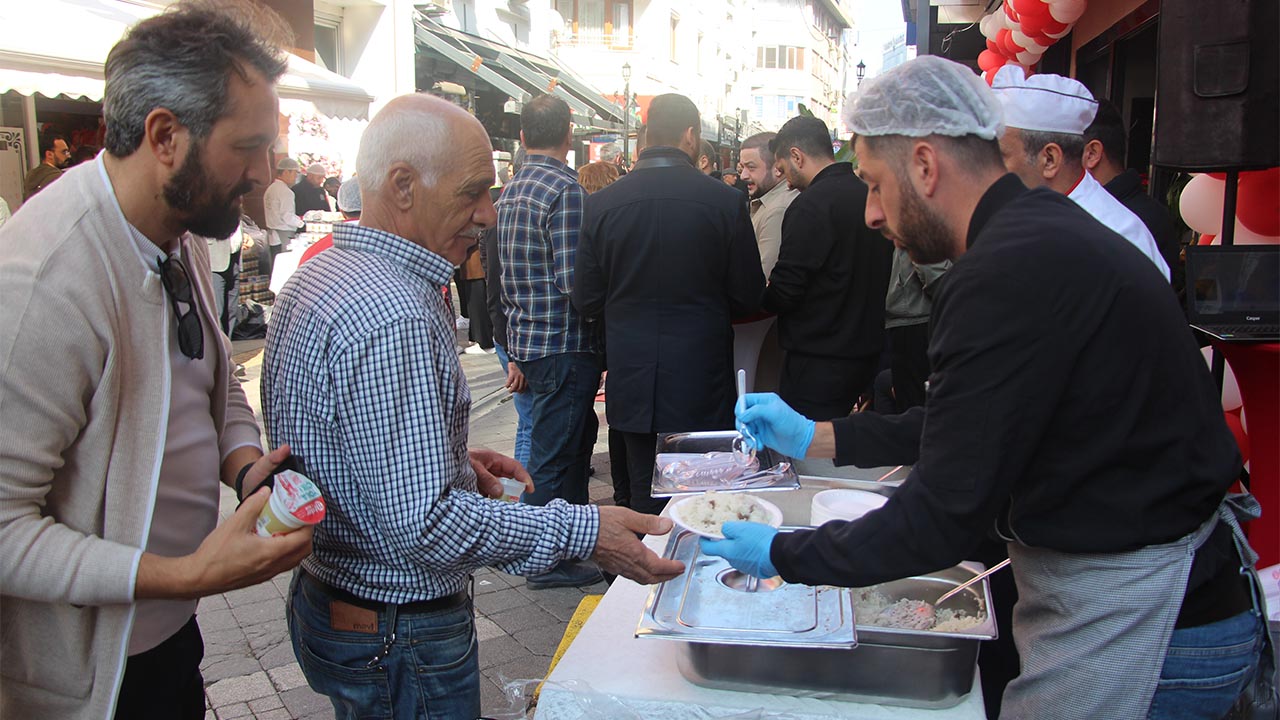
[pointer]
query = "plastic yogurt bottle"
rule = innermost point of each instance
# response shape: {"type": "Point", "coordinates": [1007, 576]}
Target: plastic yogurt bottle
{"type": "Point", "coordinates": [511, 489]}
{"type": "Point", "coordinates": [295, 503]}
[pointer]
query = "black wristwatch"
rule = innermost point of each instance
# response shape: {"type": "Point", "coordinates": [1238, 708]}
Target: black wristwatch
{"type": "Point", "coordinates": [290, 463]}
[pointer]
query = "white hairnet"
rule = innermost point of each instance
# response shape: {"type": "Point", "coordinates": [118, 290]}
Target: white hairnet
{"type": "Point", "coordinates": [927, 96]}
{"type": "Point", "coordinates": [349, 196]}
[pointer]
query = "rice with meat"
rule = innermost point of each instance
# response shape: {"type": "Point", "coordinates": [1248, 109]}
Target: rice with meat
{"type": "Point", "coordinates": [876, 609]}
{"type": "Point", "coordinates": [711, 510]}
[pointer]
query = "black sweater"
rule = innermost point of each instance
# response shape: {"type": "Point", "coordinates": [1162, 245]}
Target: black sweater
{"type": "Point", "coordinates": [1069, 406]}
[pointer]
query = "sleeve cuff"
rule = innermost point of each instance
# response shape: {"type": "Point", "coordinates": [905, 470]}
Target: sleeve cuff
{"type": "Point", "coordinates": [133, 575]}
{"type": "Point", "coordinates": [584, 531]}
{"type": "Point", "coordinates": [844, 432]}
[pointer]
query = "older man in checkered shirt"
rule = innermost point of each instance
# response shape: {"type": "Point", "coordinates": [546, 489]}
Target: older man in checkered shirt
{"type": "Point", "coordinates": [362, 380]}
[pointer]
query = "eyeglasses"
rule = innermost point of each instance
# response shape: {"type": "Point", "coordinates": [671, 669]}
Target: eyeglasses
{"type": "Point", "coordinates": [177, 285]}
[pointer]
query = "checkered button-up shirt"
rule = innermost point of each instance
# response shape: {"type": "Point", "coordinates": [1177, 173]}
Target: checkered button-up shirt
{"type": "Point", "coordinates": [361, 378]}
{"type": "Point", "coordinates": [539, 214]}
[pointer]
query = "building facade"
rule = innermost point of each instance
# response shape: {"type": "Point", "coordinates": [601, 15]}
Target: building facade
{"type": "Point", "coordinates": [800, 56]}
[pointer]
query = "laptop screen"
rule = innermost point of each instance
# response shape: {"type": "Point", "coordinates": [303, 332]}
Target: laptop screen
{"type": "Point", "coordinates": [1234, 284]}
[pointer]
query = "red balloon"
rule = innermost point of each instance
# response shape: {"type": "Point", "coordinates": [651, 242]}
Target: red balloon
{"type": "Point", "coordinates": [1206, 239]}
{"type": "Point", "coordinates": [1258, 202]}
{"type": "Point", "coordinates": [1032, 25]}
{"type": "Point", "coordinates": [1053, 26]}
{"type": "Point", "coordinates": [993, 47]}
{"type": "Point", "coordinates": [1218, 176]}
{"type": "Point", "coordinates": [990, 61]}
{"type": "Point", "coordinates": [1025, 8]}
{"type": "Point", "coordinates": [1009, 11]}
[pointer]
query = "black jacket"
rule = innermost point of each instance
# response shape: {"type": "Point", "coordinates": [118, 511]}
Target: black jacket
{"type": "Point", "coordinates": [308, 197]}
{"type": "Point", "coordinates": [829, 284]}
{"type": "Point", "coordinates": [1127, 188]}
{"type": "Point", "coordinates": [668, 258]}
{"type": "Point", "coordinates": [1069, 407]}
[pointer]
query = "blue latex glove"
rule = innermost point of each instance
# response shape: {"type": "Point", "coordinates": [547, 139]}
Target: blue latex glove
{"type": "Point", "coordinates": [772, 422]}
{"type": "Point", "coordinates": [745, 545]}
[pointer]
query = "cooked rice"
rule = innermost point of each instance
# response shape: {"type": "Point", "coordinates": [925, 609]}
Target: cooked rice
{"type": "Point", "coordinates": [708, 512]}
{"type": "Point", "coordinates": [874, 608]}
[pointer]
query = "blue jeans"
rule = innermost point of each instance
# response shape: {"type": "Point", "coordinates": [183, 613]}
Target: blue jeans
{"type": "Point", "coordinates": [524, 407]}
{"type": "Point", "coordinates": [1207, 667]}
{"type": "Point", "coordinates": [432, 669]}
{"type": "Point", "coordinates": [563, 425]}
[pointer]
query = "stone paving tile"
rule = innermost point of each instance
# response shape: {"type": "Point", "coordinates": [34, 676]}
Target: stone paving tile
{"type": "Point", "coordinates": [501, 650]}
{"type": "Point", "coordinates": [265, 636]}
{"type": "Point", "coordinates": [211, 603]}
{"type": "Point", "coordinates": [492, 698]}
{"type": "Point", "coordinates": [532, 667]}
{"type": "Point", "coordinates": [252, 594]}
{"type": "Point", "coordinates": [240, 689]}
{"type": "Point", "coordinates": [496, 602]}
{"type": "Point", "coordinates": [281, 714]}
{"type": "Point", "coordinates": [487, 629]}
{"type": "Point", "coordinates": [287, 677]}
{"type": "Point", "coordinates": [218, 620]}
{"type": "Point", "coordinates": [258, 612]}
{"type": "Point", "coordinates": [519, 618]}
{"type": "Point", "coordinates": [261, 705]}
{"type": "Point", "coordinates": [278, 656]}
{"type": "Point", "coordinates": [238, 710]}
{"type": "Point", "coordinates": [304, 702]}
{"type": "Point", "coordinates": [226, 667]}
{"type": "Point", "coordinates": [541, 640]}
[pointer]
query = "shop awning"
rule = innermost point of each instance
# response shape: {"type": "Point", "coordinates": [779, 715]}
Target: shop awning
{"type": "Point", "coordinates": [519, 74]}
{"type": "Point", "coordinates": [68, 61]}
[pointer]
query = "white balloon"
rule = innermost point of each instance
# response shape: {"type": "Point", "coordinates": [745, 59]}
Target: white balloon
{"type": "Point", "coordinates": [1230, 388]}
{"type": "Point", "coordinates": [1061, 34]}
{"type": "Point", "coordinates": [1020, 39]}
{"type": "Point", "coordinates": [1201, 204]}
{"type": "Point", "coordinates": [1066, 11]}
{"type": "Point", "coordinates": [1245, 236]}
{"type": "Point", "coordinates": [1028, 58]}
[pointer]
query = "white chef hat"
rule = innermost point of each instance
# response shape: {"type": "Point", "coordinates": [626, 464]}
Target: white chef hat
{"type": "Point", "coordinates": [1042, 102]}
{"type": "Point", "coordinates": [925, 96]}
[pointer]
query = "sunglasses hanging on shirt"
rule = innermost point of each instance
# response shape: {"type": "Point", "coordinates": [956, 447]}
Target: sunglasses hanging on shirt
{"type": "Point", "coordinates": [177, 285]}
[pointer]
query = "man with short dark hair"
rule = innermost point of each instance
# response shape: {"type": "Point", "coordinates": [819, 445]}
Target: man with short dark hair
{"type": "Point", "coordinates": [121, 413]}
{"type": "Point", "coordinates": [308, 193]}
{"type": "Point", "coordinates": [54, 156]}
{"type": "Point", "coordinates": [539, 216]}
{"type": "Point", "coordinates": [667, 259]}
{"type": "Point", "coordinates": [1104, 152]}
{"type": "Point", "coordinates": [331, 186]}
{"type": "Point", "coordinates": [1043, 144]}
{"type": "Point", "coordinates": [708, 161]}
{"type": "Point", "coordinates": [770, 198]}
{"type": "Point", "coordinates": [1069, 413]}
{"type": "Point", "coordinates": [829, 284]}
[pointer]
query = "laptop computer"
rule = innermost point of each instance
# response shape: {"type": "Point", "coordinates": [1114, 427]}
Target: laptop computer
{"type": "Point", "coordinates": [1233, 292]}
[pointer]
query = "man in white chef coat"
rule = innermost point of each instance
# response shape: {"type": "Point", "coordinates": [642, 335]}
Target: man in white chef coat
{"type": "Point", "coordinates": [1045, 118]}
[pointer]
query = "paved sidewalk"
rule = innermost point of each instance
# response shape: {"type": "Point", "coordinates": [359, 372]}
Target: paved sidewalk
{"type": "Point", "coordinates": [249, 667]}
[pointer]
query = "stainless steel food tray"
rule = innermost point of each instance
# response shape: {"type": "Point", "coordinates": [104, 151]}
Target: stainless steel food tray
{"type": "Point", "coordinates": [696, 443]}
{"type": "Point", "coordinates": [710, 603]}
{"type": "Point", "coordinates": [889, 666]}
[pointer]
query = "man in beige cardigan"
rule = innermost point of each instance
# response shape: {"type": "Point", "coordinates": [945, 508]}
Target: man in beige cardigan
{"type": "Point", "coordinates": [119, 413]}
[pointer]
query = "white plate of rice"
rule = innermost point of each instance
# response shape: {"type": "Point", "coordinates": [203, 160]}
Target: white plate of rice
{"type": "Point", "coordinates": [705, 514]}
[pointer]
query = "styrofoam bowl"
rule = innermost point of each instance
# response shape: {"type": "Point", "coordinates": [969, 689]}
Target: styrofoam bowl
{"type": "Point", "coordinates": [843, 505]}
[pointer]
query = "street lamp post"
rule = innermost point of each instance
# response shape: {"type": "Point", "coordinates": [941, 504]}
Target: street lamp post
{"type": "Point", "coordinates": [626, 114]}
{"type": "Point", "coordinates": [862, 71]}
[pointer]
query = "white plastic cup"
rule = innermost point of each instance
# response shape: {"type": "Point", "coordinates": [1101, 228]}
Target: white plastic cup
{"type": "Point", "coordinates": [843, 504]}
{"type": "Point", "coordinates": [511, 489]}
{"type": "Point", "coordinates": [295, 503]}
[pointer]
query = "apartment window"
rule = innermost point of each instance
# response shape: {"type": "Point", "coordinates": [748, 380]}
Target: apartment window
{"type": "Point", "coordinates": [675, 27]}
{"type": "Point", "coordinates": [784, 57]}
{"type": "Point", "coordinates": [598, 22]}
{"type": "Point", "coordinates": [759, 100]}
{"type": "Point", "coordinates": [328, 41]}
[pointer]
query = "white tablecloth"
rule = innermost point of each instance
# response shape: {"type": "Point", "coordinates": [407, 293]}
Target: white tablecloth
{"type": "Point", "coordinates": [642, 676]}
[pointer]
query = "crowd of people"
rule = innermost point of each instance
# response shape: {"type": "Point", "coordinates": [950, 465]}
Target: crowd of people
{"type": "Point", "coordinates": [1039, 376]}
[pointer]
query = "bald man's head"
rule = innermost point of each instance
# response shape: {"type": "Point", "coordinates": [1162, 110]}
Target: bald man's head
{"type": "Point", "coordinates": [425, 168]}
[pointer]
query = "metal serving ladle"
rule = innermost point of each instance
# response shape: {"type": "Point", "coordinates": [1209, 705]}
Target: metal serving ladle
{"type": "Point", "coordinates": [744, 446]}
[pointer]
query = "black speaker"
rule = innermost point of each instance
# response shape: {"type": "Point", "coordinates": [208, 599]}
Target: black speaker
{"type": "Point", "coordinates": [1218, 85]}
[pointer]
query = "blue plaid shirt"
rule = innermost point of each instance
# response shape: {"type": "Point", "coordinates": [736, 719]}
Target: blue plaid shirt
{"type": "Point", "coordinates": [539, 213]}
{"type": "Point", "coordinates": [361, 378]}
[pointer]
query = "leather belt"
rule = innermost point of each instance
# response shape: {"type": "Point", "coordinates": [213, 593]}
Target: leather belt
{"type": "Point", "coordinates": [412, 608]}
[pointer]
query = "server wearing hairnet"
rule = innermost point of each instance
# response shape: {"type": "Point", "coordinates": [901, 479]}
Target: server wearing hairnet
{"type": "Point", "coordinates": [1068, 411]}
